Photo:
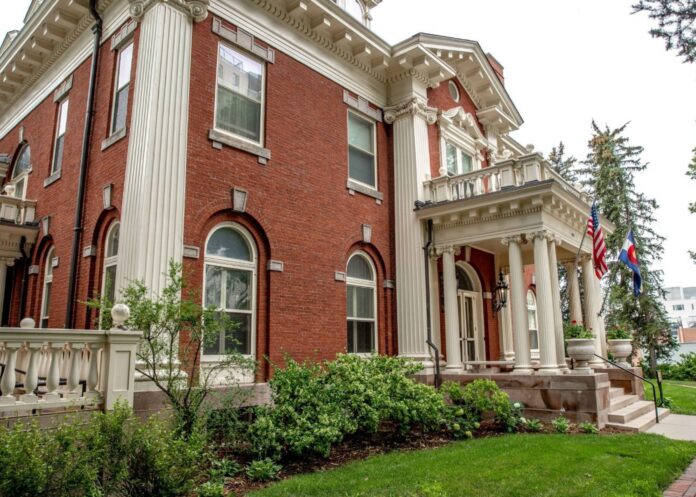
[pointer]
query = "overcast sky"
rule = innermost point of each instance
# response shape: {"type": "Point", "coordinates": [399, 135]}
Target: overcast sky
{"type": "Point", "coordinates": [566, 63]}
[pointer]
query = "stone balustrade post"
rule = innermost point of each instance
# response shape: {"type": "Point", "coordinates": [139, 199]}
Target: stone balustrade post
{"type": "Point", "coordinates": [31, 379]}
{"type": "Point", "coordinates": [9, 377]}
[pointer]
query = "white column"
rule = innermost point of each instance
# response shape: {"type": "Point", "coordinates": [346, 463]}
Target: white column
{"type": "Point", "coordinates": [544, 295]}
{"type": "Point", "coordinates": [435, 304]}
{"type": "Point", "coordinates": [591, 305]}
{"type": "Point", "coordinates": [505, 319]}
{"type": "Point", "coordinates": [518, 306]}
{"type": "Point", "coordinates": [601, 332]}
{"type": "Point", "coordinates": [152, 223]}
{"type": "Point", "coordinates": [556, 301]}
{"type": "Point", "coordinates": [452, 334]}
{"type": "Point", "coordinates": [411, 166]}
{"type": "Point", "coordinates": [574, 302]}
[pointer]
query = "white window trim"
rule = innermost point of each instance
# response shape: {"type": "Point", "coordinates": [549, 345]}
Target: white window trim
{"type": "Point", "coordinates": [48, 278]}
{"type": "Point", "coordinates": [451, 85]}
{"type": "Point", "coordinates": [365, 284]}
{"type": "Point", "coordinates": [477, 295]}
{"type": "Point", "coordinates": [373, 123]}
{"type": "Point", "coordinates": [459, 128]}
{"type": "Point", "coordinates": [234, 264]}
{"type": "Point", "coordinates": [57, 135]}
{"type": "Point", "coordinates": [121, 49]}
{"type": "Point", "coordinates": [262, 120]}
{"type": "Point", "coordinates": [112, 260]}
{"type": "Point", "coordinates": [22, 176]}
{"type": "Point", "coordinates": [534, 352]}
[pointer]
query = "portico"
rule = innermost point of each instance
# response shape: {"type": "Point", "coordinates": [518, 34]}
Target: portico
{"type": "Point", "coordinates": [525, 220]}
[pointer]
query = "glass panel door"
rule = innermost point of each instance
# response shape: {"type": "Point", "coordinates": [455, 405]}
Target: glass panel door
{"type": "Point", "coordinates": [467, 326]}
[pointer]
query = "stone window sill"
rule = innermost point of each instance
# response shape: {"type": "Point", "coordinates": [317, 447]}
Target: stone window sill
{"type": "Point", "coordinates": [52, 179]}
{"type": "Point", "coordinates": [354, 186]}
{"type": "Point", "coordinates": [115, 137]}
{"type": "Point", "coordinates": [220, 138]}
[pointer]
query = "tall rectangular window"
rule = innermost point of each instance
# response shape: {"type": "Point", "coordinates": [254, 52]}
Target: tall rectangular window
{"type": "Point", "coordinates": [121, 88]}
{"type": "Point", "coordinates": [239, 102]}
{"type": "Point", "coordinates": [61, 127]}
{"type": "Point", "coordinates": [458, 161]}
{"type": "Point", "coordinates": [361, 150]}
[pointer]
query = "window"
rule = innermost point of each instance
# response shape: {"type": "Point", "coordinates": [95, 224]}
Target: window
{"type": "Point", "coordinates": [230, 281]}
{"type": "Point", "coordinates": [458, 161]}
{"type": "Point", "coordinates": [678, 307]}
{"type": "Point", "coordinates": [61, 126]}
{"type": "Point", "coordinates": [454, 91]}
{"type": "Point", "coordinates": [532, 321]}
{"type": "Point", "coordinates": [110, 262]}
{"type": "Point", "coordinates": [361, 304]}
{"type": "Point", "coordinates": [121, 89]}
{"type": "Point", "coordinates": [20, 172]}
{"type": "Point", "coordinates": [48, 283]}
{"type": "Point", "coordinates": [240, 87]}
{"type": "Point", "coordinates": [361, 150]}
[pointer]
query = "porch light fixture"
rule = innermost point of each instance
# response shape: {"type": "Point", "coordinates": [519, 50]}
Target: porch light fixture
{"type": "Point", "coordinates": [500, 293]}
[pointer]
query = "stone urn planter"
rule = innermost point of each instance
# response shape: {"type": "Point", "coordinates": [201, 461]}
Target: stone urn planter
{"type": "Point", "coordinates": [581, 350]}
{"type": "Point", "coordinates": [621, 349]}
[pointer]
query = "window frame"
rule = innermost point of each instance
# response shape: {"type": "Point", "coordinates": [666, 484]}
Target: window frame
{"type": "Point", "coordinates": [44, 312]}
{"type": "Point", "coordinates": [534, 307]}
{"type": "Point", "coordinates": [452, 88]}
{"type": "Point", "coordinates": [238, 264]}
{"type": "Point", "coordinates": [116, 89]}
{"type": "Point", "coordinates": [372, 284]}
{"type": "Point", "coordinates": [262, 114]}
{"type": "Point", "coordinates": [110, 261]}
{"type": "Point", "coordinates": [63, 103]}
{"type": "Point", "coordinates": [372, 123]}
{"type": "Point", "coordinates": [24, 175]}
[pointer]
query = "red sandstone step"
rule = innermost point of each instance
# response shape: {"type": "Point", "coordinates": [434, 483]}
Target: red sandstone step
{"type": "Point", "coordinates": [617, 403]}
{"type": "Point", "coordinates": [641, 423]}
{"type": "Point", "coordinates": [616, 392]}
{"type": "Point", "coordinates": [631, 412]}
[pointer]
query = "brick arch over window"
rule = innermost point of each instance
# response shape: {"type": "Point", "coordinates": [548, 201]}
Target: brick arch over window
{"type": "Point", "coordinates": [194, 271]}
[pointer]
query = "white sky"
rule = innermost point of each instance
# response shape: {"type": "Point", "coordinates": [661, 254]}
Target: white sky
{"type": "Point", "coordinates": [567, 62]}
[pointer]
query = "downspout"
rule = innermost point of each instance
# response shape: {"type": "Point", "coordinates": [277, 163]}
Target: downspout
{"type": "Point", "coordinates": [84, 160]}
{"type": "Point", "coordinates": [429, 340]}
{"type": "Point", "coordinates": [25, 275]}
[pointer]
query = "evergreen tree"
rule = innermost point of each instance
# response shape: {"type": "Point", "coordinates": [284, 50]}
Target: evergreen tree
{"type": "Point", "coordinates": [676, 24]}
{"type": "Point", "coordinates": [609, 174]}
{"type": "Point", "coordinates": [565, 166]}
{"type": "Point", "coordinates": [691, 173]}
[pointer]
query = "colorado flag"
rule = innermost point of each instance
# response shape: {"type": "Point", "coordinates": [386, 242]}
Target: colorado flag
{"type": "Point", "coordinates": [628, 257]}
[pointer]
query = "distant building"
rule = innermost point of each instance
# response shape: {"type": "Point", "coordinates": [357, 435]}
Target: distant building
{"type": "Point", "coordinates": [680, 304]}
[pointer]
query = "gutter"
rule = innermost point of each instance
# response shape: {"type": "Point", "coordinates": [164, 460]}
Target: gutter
{"type": "Point", "coordinates": [84, 162]}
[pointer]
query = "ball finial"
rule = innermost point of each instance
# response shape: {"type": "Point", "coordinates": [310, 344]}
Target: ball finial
{"type": "Point", "coordinates": [27, 323]}
{"type": "Point", "coordinates": [120, 314]}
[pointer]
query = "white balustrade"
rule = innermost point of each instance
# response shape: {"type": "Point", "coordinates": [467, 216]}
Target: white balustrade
{"type": "Point", "coordinates": [17, 210]}
{"type": "Point", "coordinates": [60, 368]}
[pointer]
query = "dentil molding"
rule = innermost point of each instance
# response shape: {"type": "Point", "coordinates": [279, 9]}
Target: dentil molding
{"type": "Point", "coordinates": [412, 107]}
{"type": "Point", "coordinates": [197, 9]}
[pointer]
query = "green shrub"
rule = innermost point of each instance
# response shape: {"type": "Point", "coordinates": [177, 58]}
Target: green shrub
{"type": "Point", "coordinates": [263, 470]}
{"type": "Point", "coordinates": [484, 398]}
{"type": "Point", "coordinates": [684, 370]}
{"type": "Point", "coordinates": [532, 425]}
{"type": "Point", "coordinates": [617, 333]}
{"type": "Point", "coordinates": [576, 330]}
{"type": "Point", "coordinates": [211, 489]}
{"type": "Point", "coordinates": [221, 469]}
{"type": "Point", "coordinates": [561, 424]}
{"type": "Point", "coordinates": [588, 428]}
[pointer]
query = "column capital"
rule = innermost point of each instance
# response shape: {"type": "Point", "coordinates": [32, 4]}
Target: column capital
{"type": "Point", "coordinates": [413, 107]}
{"type": "Point", "coordinates": [511, 239]}
{"type": "Point", "coordinates": [542, 234]}
{"type": "Point", "coordinates": [447, 249]}
{"type": "Point", "coordinates": [196, 9]}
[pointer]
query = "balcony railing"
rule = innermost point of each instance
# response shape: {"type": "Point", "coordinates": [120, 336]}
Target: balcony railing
{"type": "Point", "coordinates": [17, 210]}
{"type": "Point", "coordinates": [42, 369]}
{"type": "Point", "coordinates": [503, 175]}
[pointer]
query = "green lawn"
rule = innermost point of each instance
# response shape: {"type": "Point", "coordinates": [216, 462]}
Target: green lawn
{"type": "Point", "coordinates": [682, 393]}
{"type": "Point", "coordinates": [507, 466]}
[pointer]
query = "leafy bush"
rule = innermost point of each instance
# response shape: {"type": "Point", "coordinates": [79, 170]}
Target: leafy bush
{"type": "Point", "coordinates": [684, 370]}
{"type": "Point", "coordinates": [588, 428]}
{"type": "Point", "coordinates": [263, 470]}
{"type": "Point", "coordinates": [532, 425]}
{"type": "Point", "coordinates": [221, 469]}
{"type": "Point", "coordinates": [211, 489]}
{"type": "Point", "coordinates": [617, 333]}
{"type": "Point", "coordinates": [484, 398]}
{"type": "Point", "coordinates": [316, 406]}
{"type": "Point", "coordinates": [576, 330]}
{"type": "Point", "coordinates": [561, 424]}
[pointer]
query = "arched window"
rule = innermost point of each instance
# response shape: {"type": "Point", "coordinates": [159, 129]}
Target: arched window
{"type": "Point", "coordinates": [20, 171]}
{"type": "Point", "coordinates": [454, 91]}
{"type": "Point", "coordinates": [532, 321]}
{"type": "Point", "coordinates": [361, 305]}
{"type": "Point", "coordinates": [47, 284]}
{"type": "Point", "coordinates": [230, 286]}
{"type": "Point", "coordinates": [110, 262]}
{"type": "Point", "coordinates": [464, 281]}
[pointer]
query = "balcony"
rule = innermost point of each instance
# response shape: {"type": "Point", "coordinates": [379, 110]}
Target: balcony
{"type": "Point", "coordinates": [17, 226]}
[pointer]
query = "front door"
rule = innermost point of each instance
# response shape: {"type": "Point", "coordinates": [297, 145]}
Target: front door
{"type": "Point", "coordinates": [468, 325]}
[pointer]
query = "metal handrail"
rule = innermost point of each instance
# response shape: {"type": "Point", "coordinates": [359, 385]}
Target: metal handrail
{"type": "Point", "coordinates": [657, 415]}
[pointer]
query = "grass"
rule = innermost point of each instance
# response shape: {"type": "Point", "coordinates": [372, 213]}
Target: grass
{"type": "Point", "coordinates": [507, 466]}
{"type": "Point", "coordinates": [682, 393]}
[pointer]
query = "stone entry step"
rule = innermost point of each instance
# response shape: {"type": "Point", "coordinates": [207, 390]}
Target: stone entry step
{"type": "Point", "coordinates": [625, 414]}
{"type": "Point", "coordinates": [622, 401]}
{"type": "Point", "coordinates": [642, 422]}
{"type": "Point", "coordinates": [616, 392]}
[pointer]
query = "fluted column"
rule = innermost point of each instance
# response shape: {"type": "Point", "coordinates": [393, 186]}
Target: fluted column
{"type": "Point", "coordinates": [152, 223]}
{"type": "Point", "coordinates": [574, 301]}
{"type": "Point", "coordinates": [556, 301]}
{"type": "Point", "coordinates": [518, 306]}
{"type": "Point", "coordinates": [591, 305]}
{"type": "Point", "coordinates": [544, 295]}
{"type": "Point", "coordinates": [411, 166]}
{"type": "Point", "coordinates": [452, 333]}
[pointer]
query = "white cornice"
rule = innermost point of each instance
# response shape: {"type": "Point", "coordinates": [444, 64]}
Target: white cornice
{"type": "Point", "coordinates": [197, 9]}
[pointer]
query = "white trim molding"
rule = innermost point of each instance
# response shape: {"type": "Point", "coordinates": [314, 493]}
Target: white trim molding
{"type": "Point", "coordinates": [361, 105]}
{"type": "Point", "coordinates": [243, 40]}
{"type": "Point", "coordinates": [196, 9]}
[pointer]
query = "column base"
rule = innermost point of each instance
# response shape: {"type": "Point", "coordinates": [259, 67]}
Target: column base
{"type": "Point", "coordinates": [549, 371]}
{"type": "Point", "coordinates": [523, 370]}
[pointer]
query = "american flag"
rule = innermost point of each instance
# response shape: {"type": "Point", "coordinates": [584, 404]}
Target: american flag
{"type": "Point", "coordinates": [599, 248]}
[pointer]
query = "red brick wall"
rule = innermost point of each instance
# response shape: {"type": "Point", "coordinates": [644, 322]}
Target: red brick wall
{"type": "Point", "coordinates": [298, 207]}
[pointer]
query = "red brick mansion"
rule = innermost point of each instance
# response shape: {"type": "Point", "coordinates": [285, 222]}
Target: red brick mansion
{"type": "Point", "coordinates": [330, 191]}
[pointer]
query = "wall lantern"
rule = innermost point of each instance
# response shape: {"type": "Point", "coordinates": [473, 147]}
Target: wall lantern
{"type": "Point", "coordinates": [500, 293]}
{"type": "Point", "coordinates": [239, 200]}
